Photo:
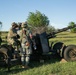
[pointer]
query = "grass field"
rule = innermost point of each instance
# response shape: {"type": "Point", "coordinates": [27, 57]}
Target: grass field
{"type": "Point", "coordinates": [65, 37]}
{"type": "Point", "coordinates": [49, 67]}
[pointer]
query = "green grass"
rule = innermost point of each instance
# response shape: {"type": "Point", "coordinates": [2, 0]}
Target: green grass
{"type": "Point", "coordinates": [49, 67]}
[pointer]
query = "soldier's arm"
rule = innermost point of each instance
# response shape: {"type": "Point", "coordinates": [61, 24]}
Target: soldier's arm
{"type": "Point", "coordinates": [30, 33]}
{"type": "Point", "coordinates": [12, 34]}
{"type": "Point", "coordinates": [20, 34]}
{"type": "Point", "coordinates": [32, 39]}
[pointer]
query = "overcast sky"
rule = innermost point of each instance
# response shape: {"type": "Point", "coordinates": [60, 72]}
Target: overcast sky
{"type": "Point", "coordinates": [59, 12]}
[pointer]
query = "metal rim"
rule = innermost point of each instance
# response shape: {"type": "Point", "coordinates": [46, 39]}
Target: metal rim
{"type": "Point", "coordinates": [72, 53]}
{"type": "Point", "coordinates": [3, 56]}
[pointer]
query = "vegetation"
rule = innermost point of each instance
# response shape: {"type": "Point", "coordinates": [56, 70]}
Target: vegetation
{"type": "Point", "coordinates": [39, 22]}
{"type": "Point", "coordinates": [49, 67]}
{"type": "Point", "coordinates": [66, 37]}
{"type": "Point", "coordinates": [52, 67]}
{"type": "Point", "coordinates": [50, 28]}
{"type": "Point", "coordinates": [0, 24]}
{"type": "Point", "coordinates": [73, 30]}
{"type": "Point", "coordinates": [37, 19]}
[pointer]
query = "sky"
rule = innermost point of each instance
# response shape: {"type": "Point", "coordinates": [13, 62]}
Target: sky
{"type": "Point", "coordinates": [59, 12]}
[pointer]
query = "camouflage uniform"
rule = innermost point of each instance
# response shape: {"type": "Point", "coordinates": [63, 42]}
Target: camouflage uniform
{"type": "Point", "coordinates": [26, 51]}
{"type": "Point", "coordinates": [19, 28]}
{"type": "Point", "coordinates": [12, 35]}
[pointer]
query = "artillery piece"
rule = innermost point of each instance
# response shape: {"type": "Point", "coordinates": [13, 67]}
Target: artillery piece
{"type": "Point", "coordinates": [42, 48]}
{"type": "Point", "coordinates": [42, 42]}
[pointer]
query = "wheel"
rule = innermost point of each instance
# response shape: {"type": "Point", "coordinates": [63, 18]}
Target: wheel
{"type": "Point", "coordinates": [7, 49]}
{"type": "Point", "coordinates": [70, 53]}
{"type": "Point", "coordinates": [3, 56]}
{"type": "Point", "coordinates": [3, 51]}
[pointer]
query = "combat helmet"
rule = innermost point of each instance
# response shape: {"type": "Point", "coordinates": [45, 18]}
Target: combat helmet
{"type": "Point", "coordinates": [14, 25]}
{"type": "Point", "coordinates": [24, 25]}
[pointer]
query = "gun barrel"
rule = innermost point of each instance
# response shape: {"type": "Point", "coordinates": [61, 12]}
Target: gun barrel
{"type": "Point", "coordinates": [64, 29]}
{"type": "Point", "coordinates": [52, 34]}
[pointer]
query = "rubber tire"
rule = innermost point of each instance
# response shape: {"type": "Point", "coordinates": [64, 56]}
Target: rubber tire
{"type": "Point", "coordinates": [70, 50]}
{"type": "Point", "coordinates": [4, 51]}
{"type": "Point", "coordinates": [6, 58]}
{"type": "Point", "coordinates": [3, 56]}
{"type": "Point", "coordinates": [7, 49]}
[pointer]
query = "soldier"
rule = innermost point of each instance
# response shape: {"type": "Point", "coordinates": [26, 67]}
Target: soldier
{"type": "Point", "coordinates": [19, 28]}
{"type": "Point", "coordinates": [12, 36]}
{"type": "Point", "coordinates": [26, 51]}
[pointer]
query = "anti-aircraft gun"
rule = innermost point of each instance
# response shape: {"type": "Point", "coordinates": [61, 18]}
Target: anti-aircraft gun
{"type": "Point", "coordinates": [42, 49]}
{"type": "Point", "coordinates": [42, 43]}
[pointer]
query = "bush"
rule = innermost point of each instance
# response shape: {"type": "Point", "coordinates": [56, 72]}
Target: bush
{"type": "Point", "coordinates": [73, 30]}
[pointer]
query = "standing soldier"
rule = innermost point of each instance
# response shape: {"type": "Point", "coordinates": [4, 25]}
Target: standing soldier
{"type": "Point", "coordinates": [24, 33]}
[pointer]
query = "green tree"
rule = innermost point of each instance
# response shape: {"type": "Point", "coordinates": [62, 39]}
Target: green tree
{"type": "Point", "coordinates": [71, 23]}
{"type": "Point", "coordinates": [0, 24]}
{"type": "Point", "coordinates": [37, 19]}
{"type": "Point", "coordinates": [73, 30]}
{"type": "Point", "coordinates": [39, 22]}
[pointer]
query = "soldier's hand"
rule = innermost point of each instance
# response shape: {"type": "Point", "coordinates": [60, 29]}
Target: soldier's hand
{"type": "Point", "coordinates": [27, 44]}
{"type": "Point", "coordinates": [31, 36]}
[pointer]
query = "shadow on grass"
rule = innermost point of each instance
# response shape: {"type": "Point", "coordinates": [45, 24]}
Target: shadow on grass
{"type": "Point", "coordinates": [14, 70]}
{"type": "Point", "coordinates": [45, 61]}
{"type": "Point", "coordinates": [36, 63]}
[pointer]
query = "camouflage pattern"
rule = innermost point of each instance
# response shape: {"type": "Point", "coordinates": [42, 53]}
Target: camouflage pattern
{"type": "Point", "coordinates": [12, 36]}
{"type": "Point", "coordinates": [24, 25]}
{"type": "Point", "coordinates": [24, 33]}
{"type": "Point", "coordinates": [14, 25]}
